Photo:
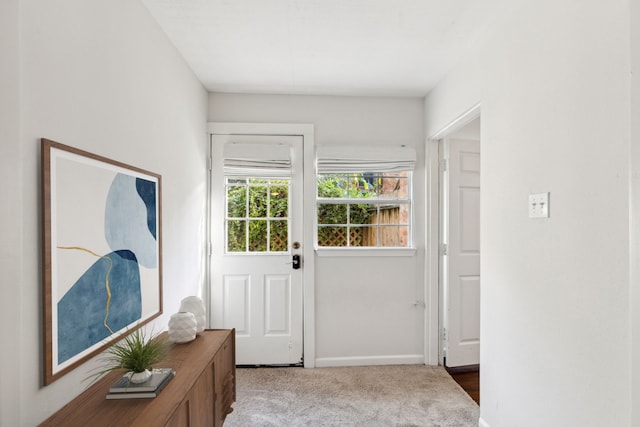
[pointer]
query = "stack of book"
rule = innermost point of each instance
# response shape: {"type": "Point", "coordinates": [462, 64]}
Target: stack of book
{"type": "Point", "coordinates": [125, 389]}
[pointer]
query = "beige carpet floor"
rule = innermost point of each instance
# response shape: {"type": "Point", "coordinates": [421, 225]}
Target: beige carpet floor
{"type": "Point", "coordinates": [376, 396]}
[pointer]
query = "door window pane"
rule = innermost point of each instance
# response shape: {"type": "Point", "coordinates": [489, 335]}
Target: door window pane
{"type": "Point", "coordinates": [257, 201]}
{"type": "Point", "coordinates": [279, 200]}
{"type": "Point", "coordinates": [257, 235]}
{"type": "Point", "coordinates": [278, 236]}
{"type": "Point", "coordinates": [257, 215]}
{"type": "Point", "coordinates": [236, 201]}
{"type": "Point", "coordinates": [236, 236]}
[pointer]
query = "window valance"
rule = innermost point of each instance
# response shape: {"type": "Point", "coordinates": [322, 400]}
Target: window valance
{"type": "Point", "coordinates": [350, 159]}
{"type": "Point", "coordinates": [259, 160]}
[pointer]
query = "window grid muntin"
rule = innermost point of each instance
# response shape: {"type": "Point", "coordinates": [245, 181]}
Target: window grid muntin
{"type": "Point", "coordinates": [247, 183]}
{"type": "Point", "coordinates": [378, 201]}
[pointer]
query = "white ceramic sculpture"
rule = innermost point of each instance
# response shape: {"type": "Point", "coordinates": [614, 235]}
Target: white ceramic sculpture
{"type": "Point", "coordinates": [195, 305]}
{"type": "Point", "coordinates": [182, 327]}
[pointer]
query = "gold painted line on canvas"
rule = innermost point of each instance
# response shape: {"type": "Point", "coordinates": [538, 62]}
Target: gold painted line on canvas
{"type": "Point", "coordinates": [106, 280]}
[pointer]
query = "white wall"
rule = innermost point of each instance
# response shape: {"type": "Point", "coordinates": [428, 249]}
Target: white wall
{"type": "Point", "coordinates": [635, 211]}
{"type": "Point", "coordinates": [100, 76]}
{"type": "Point", "coordinates": [10, 208]}
{"type": "Point", "coordinates": [553, 80]}
{"type": "Point", "coordinates": [364, 305]}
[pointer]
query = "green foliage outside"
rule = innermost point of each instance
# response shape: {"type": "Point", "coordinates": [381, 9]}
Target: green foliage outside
{"type": "Point", "coordinates": [353, 186]}
{"type": "Point", "coordinates": [267, 208]}
{"type": "Point", "coordinates": [346, 186]}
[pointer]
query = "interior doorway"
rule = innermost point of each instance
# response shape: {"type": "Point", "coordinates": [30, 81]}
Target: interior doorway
{"type": "Point", "coordinates": [459, 246]}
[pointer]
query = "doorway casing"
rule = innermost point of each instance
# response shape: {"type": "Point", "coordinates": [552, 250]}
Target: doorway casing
{"type": "Point", "coordinates": [434, 286]}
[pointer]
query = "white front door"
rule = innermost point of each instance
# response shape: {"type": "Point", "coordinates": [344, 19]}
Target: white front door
{"type": "Point", "coordinates": [256, 231]}
{"type": "Point", "coordinates": [462, 321]}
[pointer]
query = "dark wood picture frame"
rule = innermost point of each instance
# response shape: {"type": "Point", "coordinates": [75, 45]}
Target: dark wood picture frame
{"type": "Point", "coordinates": [102, 254]}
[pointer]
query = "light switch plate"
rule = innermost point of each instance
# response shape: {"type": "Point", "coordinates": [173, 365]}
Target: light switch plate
{"type": "Point", "coordinates": [539, 205]}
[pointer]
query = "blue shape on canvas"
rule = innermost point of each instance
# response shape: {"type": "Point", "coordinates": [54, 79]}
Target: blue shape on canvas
{"type": "Point", "coordinates": [147, 192]}
{"type": "Point", "coordinates": [130, 214]}
{"type": "Point", "coordinates": [82, 311]}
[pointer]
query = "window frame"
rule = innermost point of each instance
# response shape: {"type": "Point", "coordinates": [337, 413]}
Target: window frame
{"type": "Point", "coordinates": [268, 184]}
{"type": "Point", "coordinates": [349, 250]}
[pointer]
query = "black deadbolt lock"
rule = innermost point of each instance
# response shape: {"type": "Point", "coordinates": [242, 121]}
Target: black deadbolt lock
{"type": "Point", "coordinates": [295, 262]}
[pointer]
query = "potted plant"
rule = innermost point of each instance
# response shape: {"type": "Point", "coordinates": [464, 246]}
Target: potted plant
{"type": "Point", "coordinates": [136, 354]}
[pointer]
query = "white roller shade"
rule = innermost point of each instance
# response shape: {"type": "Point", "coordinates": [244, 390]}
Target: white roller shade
{"type": "Point", "coordinates": [349, 159]}
{"type": "Point", "coordinates": [260, 160]}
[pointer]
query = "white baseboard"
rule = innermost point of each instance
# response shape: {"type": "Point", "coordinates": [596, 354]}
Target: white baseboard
{"type": "Point", "coordinates": [483, 423]}
{"type": "Point", "coordinates": [404, 359]}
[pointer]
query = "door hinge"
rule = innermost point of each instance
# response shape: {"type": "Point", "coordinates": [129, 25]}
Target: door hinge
{"type": "Point", "coordinates": [209, 248]}
{"type": "Point", "coordinates": [444, 163]}
{"type": "Point", "coordinates": [445, 342]}
{"type": "Point", "coordinates": [209, 163]}
{"type": "Point", "coordinates": [444, 249]}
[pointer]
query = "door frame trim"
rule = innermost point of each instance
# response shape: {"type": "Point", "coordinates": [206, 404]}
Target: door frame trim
{"type": "Point", "coordinates": [306, 131]}
{"type": "Point", "coordinates": [433, 289]}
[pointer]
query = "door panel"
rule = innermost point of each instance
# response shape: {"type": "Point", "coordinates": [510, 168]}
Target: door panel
{"type": "Point", "coordinates": [277, 305]}
{"type": "Point", "coordinates": [469, 226]}
{"type": "Point", "coordinates": [254, 287]}
{"type": "Point", "coordinates": [236, 307]}
{"type": "Point", "coordinates": [469, 295]}
{"type": "Point", "coordinates": [463, 255]}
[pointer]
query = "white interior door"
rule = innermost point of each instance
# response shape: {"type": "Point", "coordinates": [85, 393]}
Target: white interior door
{"type": "Point", "coordinates": [462, 321]}
{"type": "Point", "coordinates": [256, 231]}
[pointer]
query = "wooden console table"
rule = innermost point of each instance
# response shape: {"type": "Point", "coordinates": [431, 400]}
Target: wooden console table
{"type": "Point", "coordinates": [201, 393]}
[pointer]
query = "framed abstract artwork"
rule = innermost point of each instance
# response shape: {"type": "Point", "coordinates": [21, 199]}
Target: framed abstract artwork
{"type": "Point", "coordinates": [102, 254]}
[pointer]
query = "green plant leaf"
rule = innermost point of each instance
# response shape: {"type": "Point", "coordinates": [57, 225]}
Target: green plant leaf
{"type": "Point", "coordinates": [135, 352]}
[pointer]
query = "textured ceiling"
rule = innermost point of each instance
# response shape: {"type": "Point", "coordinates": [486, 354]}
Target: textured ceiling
{"type": "Point", "coordinates": [323, 47]}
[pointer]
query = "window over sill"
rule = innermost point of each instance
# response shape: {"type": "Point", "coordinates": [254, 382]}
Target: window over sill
{"type": "Point", "coordinates": [364, 210]}
{"type": "Point", "coordinates": [364, 198]}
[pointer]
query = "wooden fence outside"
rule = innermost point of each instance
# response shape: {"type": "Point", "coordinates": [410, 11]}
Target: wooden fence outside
{"type": "Point", "coordinates": [367, 236]}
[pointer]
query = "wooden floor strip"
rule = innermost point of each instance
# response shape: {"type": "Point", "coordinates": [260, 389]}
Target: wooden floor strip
{"type": "Point", "coordinates": [469, 380]}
